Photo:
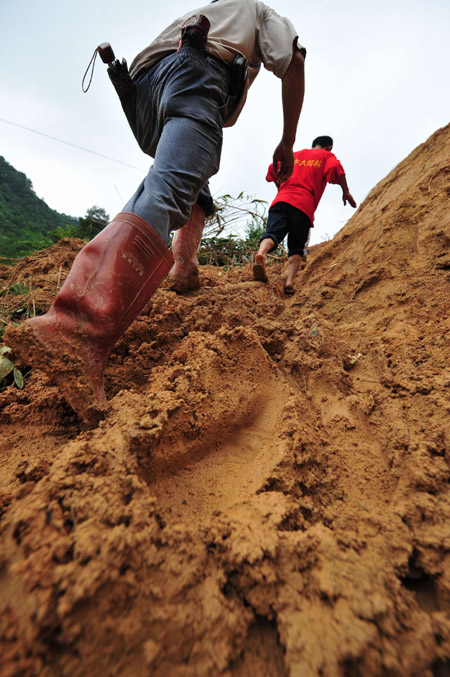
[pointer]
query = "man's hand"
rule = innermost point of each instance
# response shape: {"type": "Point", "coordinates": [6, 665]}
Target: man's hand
{"type": "Point", "coordinates": [348, 197]}
{"type": "Point", "coordinates": [283, 162]}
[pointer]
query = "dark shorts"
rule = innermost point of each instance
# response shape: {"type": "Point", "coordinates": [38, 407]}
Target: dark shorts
{"type": "Point", "coordinates": [284, 219]}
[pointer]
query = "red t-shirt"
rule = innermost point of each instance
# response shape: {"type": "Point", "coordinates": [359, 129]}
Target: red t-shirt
{"type": "Point", "coordinates": [313, 169]}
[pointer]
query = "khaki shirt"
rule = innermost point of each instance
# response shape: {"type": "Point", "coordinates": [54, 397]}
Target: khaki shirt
{"type": "Point", "coordinates": [245, 27]}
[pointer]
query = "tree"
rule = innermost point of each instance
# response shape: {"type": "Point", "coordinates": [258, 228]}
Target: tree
{"type": "Point", "coordinates": [92, 223]}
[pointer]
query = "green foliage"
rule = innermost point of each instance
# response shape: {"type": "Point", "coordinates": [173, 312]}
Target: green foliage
{"type": "Point", "coordinates": [27, 224]}
{"type": "Point", "coordinates": [8, 372]}
{"type": "Point", "coordinates": [236, 214]}
{"type": "Point", "coordinates": [88, 226]}
{"type": "Point", "coordinates": [241, 214]}
{"type": "Point", "coordinates": [254, 230]}
{"type": "Point", "coordinates": [221, 251]}
{"type": "Point", "coordinates": [15, 289]}
{"type": "Point", "coordinates": [25, 219]}
{"type": "Point", "coordinates": [16, 304]}
{"type": "Point", "coordinates": [60, 232]}
{"type": "Point", "coordinates": [92, 223]}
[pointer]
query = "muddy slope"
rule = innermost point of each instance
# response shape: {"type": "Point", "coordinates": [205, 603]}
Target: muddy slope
{"type": "Point", "coordinates": [269, 494]}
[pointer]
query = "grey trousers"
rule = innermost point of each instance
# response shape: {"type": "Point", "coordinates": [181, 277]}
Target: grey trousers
{"type": "Point", "coordinates": [177, 116]}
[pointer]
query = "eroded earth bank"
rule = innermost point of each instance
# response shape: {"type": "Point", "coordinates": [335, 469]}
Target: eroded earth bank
{"type": "Point", "coordinates": [269, 493]}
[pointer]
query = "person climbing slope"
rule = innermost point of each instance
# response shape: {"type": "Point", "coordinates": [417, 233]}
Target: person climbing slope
{"type": "Point", "coordinates": [292, 211]}
{"type": "Point", "coordinates": [191, 81]}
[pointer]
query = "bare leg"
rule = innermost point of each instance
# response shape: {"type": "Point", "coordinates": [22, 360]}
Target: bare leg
{"type": "Point", "coordinates": [259, 267]}
{"type": "Point", "coordinates": [295, 262]}
{"type": "Point", "coordinates": [186, 240]}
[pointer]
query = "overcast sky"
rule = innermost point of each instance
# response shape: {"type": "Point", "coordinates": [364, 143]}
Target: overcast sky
{"type": "Point", "coordinates": [376, 81]}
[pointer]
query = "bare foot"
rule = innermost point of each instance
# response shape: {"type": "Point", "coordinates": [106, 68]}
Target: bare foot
{"type": "Point", "coordinates": [184, 276]}
{"type": "Point", "coordinates": [259, 268]}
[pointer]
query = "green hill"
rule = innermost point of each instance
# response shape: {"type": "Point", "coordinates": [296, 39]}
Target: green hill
{"type": "Point", "coordinates": [25, 219]}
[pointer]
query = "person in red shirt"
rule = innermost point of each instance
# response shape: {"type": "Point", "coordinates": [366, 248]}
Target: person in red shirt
{"type": "Point", "coordinates": [292, 211]}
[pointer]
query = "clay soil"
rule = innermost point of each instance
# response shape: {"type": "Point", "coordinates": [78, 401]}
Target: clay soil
{"type": "Point", "coordinates": [269, 494]}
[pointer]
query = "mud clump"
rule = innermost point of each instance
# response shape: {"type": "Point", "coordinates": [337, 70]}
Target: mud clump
{"type": "Point", "coordinates": [269, 493]}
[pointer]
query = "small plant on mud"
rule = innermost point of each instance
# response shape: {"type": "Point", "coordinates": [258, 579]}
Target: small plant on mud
{"type": "Point", "coordinates": [16, 304]}
{"type": "Point", "coordinates": [9, 373]}
{"type": "Point", "coordinates": [13, 309]}
{"type": "Point", "coordinates": [15, 289]}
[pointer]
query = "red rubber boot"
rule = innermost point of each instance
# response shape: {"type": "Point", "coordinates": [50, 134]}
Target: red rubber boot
{"type": "Point", "coordinates": [111, 280]}
{"type": "Point", "coordinates": [184, 274]}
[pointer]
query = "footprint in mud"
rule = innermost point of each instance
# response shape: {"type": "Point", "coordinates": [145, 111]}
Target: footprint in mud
{"type": "Point", "coordinates": [206, 440]}
{"type": "Point", "coordinates": [226, 470]}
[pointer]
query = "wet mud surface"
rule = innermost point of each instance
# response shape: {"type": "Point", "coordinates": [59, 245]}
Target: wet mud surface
{"type": "Point", "coordinates": [269, 493]}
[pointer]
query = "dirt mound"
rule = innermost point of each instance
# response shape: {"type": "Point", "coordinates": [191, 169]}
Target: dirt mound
{"type": "Point", "coordinates": [269, 493]}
